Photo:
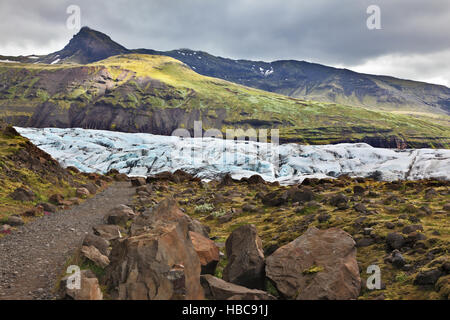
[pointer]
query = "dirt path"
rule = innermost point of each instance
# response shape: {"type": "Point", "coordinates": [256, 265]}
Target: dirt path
{"type": "Point", "coordinates": [32, 258]}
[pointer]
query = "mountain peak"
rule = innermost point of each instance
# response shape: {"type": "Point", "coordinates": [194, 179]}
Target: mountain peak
{"type": "Point", "coordinates": [87, 46]}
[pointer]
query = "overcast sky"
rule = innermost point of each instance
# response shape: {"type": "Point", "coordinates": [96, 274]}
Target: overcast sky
{"type": "Point", "coordinates": [413, 42]}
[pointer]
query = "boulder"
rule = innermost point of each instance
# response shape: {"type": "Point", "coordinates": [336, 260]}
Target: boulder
{"type": "Point", "coordinates": [396, 259]}
{"type": "Point", "coordinates": [33, 212]}
{"type": "Point", "coordinates": [93, 254]}
{"type": "Point", "coordinates": [256, 179]}
{"type": "Point", "coordinates": [147, 189]}
{"type": "Point", "coordinates": [82, 193]}
{"type": "Point", "coordinates": [56, 199]}
{"type": "Point", "coordinates": [167, 210]}
{"type": "Point", "coordinates": [428, 277]}
{"type": "Point", "coordinates": [446, 207]}
{"type": "Point", "coordinates": [119, 215]}
{"type": "Point", "coordinates": [15, 221]}
{"type": "Point", "coordinates": [109, 231]}
{"type": "Point", "coordinates": [274, 199]}
{"type": "Point", "coordinates": [443, 287]}
{"type": "Point", "coordinates": [340, 201]}
{"type": "Point", "coordinates": [301, 195]}
{"type": "Point", "coordinates": [48, 207]}
{"type": "Point", "coordinates": [89, 288]}
{"type": "Point", "coordinates": [359, 190]}
{"type": "Point", "coordinates": [121, 177]}
{"type": "Point", "coordinates": [395, 240]}
{"type": "Point", "coordinates": [249, 208]}
{"type": "Point", "coordinates": [412, 228]}
{"type": "Point", "coordinates": [320, 264]}
{"type": "Point", "coordinates": [360, 207]}
{"type": "Point", "coordinates": [207, 252]}
{"type": "Point", "coordinates": [430, 194]}
{"type": "Point", "coordinates": [98, 242]}
{"type": "Point", "coordinates": [182, 176]}
{"type": "Point", "coordinates": [245, 255]}
{"type": "Point", "coordinates": [159, 264]}
{"type": "Point", "coordinates": [22, 194]}
{"type": "Point", "coordinates": [218, 289]}
{"type": "Point", "coordinates": [226, 180]}
{"type": "Point", "coordinates": [138, 181]}
{"type": "Point", "coordinates": [91, 187]}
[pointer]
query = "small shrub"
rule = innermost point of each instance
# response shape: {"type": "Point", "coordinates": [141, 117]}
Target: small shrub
{"type": "Point", "coordinates": [204, 208]}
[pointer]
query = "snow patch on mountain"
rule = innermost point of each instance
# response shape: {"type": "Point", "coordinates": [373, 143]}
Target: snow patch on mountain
{"type": "Point", "coordinates": [142, 154]}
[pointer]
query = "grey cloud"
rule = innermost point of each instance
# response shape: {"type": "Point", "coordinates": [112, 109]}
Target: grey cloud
{"type": "Point", "coordinates": [324, 31]}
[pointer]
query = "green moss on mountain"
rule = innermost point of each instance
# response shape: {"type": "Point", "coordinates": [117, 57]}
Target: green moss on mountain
{"type": "Point", "coordinates": [158, 94]}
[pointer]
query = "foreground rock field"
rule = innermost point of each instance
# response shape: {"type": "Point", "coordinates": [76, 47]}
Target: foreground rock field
{"type": "Point", "coordinates": [181, 238]}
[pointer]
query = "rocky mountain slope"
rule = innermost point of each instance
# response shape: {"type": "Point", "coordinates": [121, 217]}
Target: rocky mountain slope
{"type": "Point", "coordinates": [157, 94]}
{"type": "Point", "coordinates": [32, 183]}
{"type": "Point", "coordinates": [299, 79]}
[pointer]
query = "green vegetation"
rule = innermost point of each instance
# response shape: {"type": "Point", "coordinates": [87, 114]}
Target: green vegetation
{"type": "Point", "coordinates": [22, 165]}
{"type": "Point", "coordinates": [279, 225]}
{"type": "Point", "coordinates": [146, 85]}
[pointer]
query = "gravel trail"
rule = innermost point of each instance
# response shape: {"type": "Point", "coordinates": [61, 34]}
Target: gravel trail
{"type": "Point", "coordinates": [33, 256]}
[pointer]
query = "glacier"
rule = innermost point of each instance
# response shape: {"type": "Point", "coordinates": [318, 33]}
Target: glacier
{"type": "Point", "coordinates": [140, 154]}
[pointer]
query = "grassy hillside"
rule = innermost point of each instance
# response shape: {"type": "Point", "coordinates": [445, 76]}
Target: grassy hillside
{"type": "Point", "coordinates": [157, 94]}
{"type": "Point", "coordinates": [24, 166]}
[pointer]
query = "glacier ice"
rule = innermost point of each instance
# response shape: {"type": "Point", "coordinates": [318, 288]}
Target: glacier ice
{"type": "Point", "coordinates": [140, 154]}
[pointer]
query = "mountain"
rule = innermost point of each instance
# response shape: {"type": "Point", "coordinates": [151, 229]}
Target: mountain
{"type": "Point", "coordinates": [158, 94]}
{"type": "Point", "coordinates": [87, 46]}
{"type": "Point", "coordinates": [297, 79]}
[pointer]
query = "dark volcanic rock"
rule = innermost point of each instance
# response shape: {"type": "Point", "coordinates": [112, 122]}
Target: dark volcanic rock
{"type": "Point", "coordinates": [429, 277]}
{"type": "Point", "coordinates": [22, 194]}
{"type": "Point", "coordinates": [395, 240]}
{"type": "Point", "coordinates": [245, 258]}
{"type": "Point", "coordinates": [218, 289]}
{"type": "Point", "coordinates": [320, 264]}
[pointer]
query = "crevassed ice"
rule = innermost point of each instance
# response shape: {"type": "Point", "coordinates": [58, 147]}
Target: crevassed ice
{"type": "Point", "coordinates": [142, 154]}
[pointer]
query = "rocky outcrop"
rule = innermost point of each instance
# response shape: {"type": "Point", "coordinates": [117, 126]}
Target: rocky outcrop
{"type": "Point", "coordinates": [168, 211]}
{"type": "Point", "coordinates": [93, 254]}
{"type": "Point", "coordinates": [320, 264]}
{"type": "Point", "coordinates": [89, 288]}
{"type": "Point", "coordinates": [158, 262]}
{"type": "Point", "coordinates": [218, 289]}
{"type": "Point", "coordinates": [207, 251]}
{"type": "Point", "coordinates": [119, 215]}
{"type": "Point", "coordinates": [22, 194]}
{"type": "Point", "coordinates": [245, 258]}
{"type": "Point", "coordinates": [109, 232]}
{"type": "Point", "coordinates": [100, 243]}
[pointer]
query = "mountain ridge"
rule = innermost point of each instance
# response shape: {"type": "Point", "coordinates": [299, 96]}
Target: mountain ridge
{"type": "Point", "coordinates": [298, 79]}
{"type": "Point", "coordinates": [158, 94]}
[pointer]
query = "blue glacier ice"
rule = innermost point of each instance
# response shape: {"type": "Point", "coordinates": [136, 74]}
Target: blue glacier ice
{"type": "Point", "coordinates": [139, 154]}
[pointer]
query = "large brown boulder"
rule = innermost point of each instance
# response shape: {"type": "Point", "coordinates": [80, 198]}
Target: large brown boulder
{"type": "Point", "coordinates": [82, 193]}
{"type": "Point", "coordinates": [119, 215]}
{"type": "Point", "coordinates": [22, 194]}
{"type": "Point", "coordinates": [245, 258]}
{"type": "Point", "coordinates": [93, 254]}
{"type": "Point", "coordinates": [218, 289]}
{"type": "Point", "coordinates": [138, 181]}
{"type": "Point", "coordinates": [89, 288]}
{"type": "Point", "coordinates": [160, 264]}
{"type": "Point", "coordinates": [167, 210]}
{"type": "Point", "coordinates": [320, 264]}
{"type": "Point", "coordinates": [109, 231]}
{"type": "Point", "coordinates": [207, 251]}
{"type": "Point", "coordinates": [98, 242]}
